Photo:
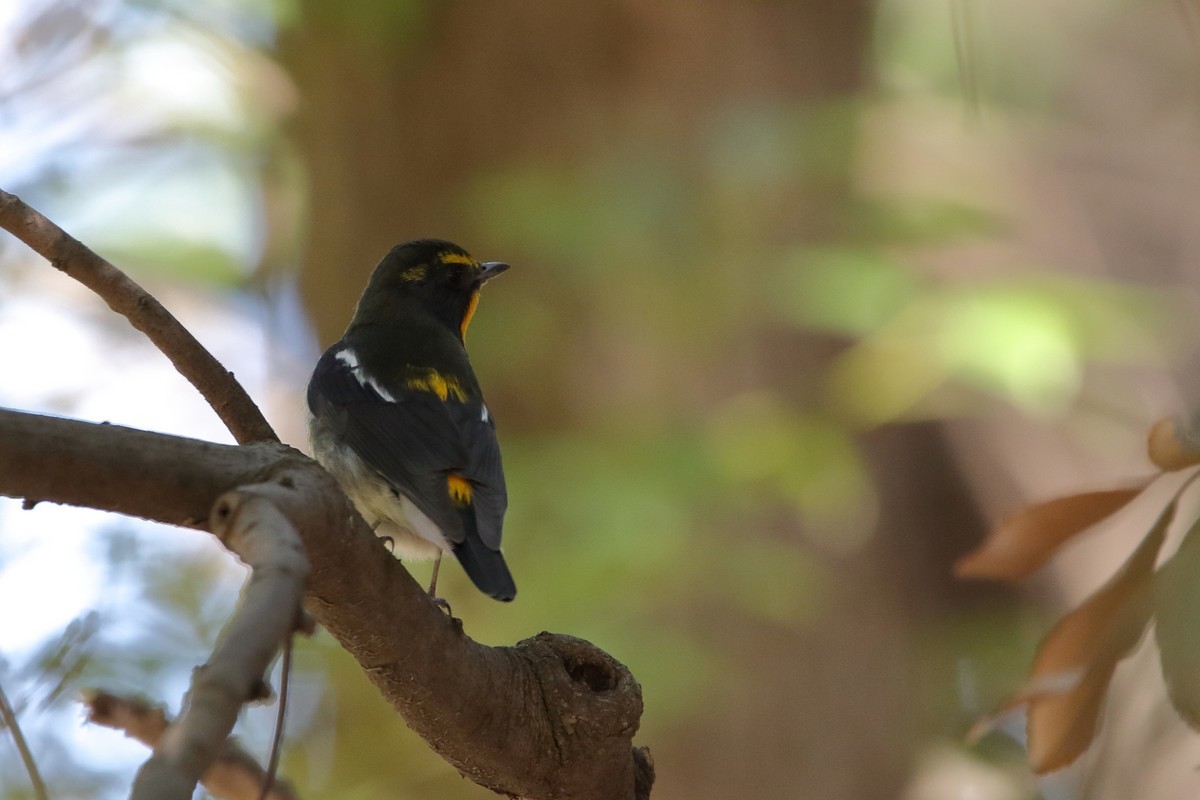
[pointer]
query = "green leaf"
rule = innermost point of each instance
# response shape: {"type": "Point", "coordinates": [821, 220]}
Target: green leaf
{"type": "Point", "coordinates": [1177, 610]}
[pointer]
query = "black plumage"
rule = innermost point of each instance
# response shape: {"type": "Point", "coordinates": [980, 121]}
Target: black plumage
{"type": "Point", "coordinates": [396, 407]}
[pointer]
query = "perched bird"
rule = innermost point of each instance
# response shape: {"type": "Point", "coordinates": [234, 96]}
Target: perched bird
{"type": "Point", "coordinates": [399, 420]}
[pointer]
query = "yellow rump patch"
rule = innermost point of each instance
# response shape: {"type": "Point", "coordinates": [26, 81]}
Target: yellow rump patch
{"type": "Point", "coordinates": [460, 489]}
{"type": "Point", "coordinates": [456, 258]}
{"type": "Point", "coordinates": [444, 386]}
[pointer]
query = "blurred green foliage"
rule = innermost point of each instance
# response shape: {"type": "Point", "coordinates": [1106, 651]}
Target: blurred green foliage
{"type": "Point", "coordinates": [701, 326]}
{"type": "Point", "coordinates": [1025, 340]}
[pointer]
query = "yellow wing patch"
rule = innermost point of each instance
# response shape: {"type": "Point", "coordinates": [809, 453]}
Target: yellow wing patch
{"type": "Point", "coordinates": [460, 489]}
{"type": "Point", "coordinates": [413, 274]}
{"type": "Point", "coordinates": [444, 386]}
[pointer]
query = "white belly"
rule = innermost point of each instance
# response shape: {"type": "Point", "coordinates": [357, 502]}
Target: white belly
{"type": "Point", "coordinates": [415, 537]}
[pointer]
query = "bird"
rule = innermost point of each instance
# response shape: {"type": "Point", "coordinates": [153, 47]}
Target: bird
{"type": "Point", "coordinates": [398, 418]}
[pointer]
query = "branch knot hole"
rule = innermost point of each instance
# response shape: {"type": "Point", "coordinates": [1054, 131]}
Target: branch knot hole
{"type": "Point", "coordinates": [597, 675]}
{"type": "Point", "coordinates": [223, 511]}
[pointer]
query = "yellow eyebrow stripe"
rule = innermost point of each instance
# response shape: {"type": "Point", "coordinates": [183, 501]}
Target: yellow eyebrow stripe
{"type": "Point", "coordinates": [456, 258]}
{"type": "Point", "coordinates": [444, 386]}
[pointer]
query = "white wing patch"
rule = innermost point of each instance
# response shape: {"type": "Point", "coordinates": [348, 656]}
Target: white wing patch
{"type": "Point", "coordinates": [348, 357]}
{"type": "Point", "coordinates": [484, 416]}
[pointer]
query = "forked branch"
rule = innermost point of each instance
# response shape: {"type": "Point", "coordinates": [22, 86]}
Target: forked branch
{"type": "Point", "coordinates": [552, 717]}
{"type": "Point", "coordinates": [215, 383]}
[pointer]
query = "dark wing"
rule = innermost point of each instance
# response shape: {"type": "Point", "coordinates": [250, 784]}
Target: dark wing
{"type": "Point", "coordinates": [415, 440]}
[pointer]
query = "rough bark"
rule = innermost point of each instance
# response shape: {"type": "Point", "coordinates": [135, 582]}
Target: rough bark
{"type": "Point", "coordinates": [553, 716]}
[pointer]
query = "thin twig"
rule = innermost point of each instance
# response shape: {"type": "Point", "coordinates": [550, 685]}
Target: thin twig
{"type": "Point", "coordinates": [10, 719]}
{"type": "Point", "coordinates": [235, 775]}
{"type": "Point", "coordinates": [570, 697]}
{"type": "Point", "coordinates": [285, 675]}
{"type": "Point", "coordinates": [215, 383]}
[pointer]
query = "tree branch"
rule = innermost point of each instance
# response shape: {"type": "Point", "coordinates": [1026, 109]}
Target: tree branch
{"type": "Point", "coordinates": [234, 775]}
{"type": "Point", "coordinates": [215, 383]}
{"type": "Point", "coordinates": [552, 717]}
{"type": "Point", "coordinates": [39, 460]}
{"type": "Point", "coordinates": [269, 609]}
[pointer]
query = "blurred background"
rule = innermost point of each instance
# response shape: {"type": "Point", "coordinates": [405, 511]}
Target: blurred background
{"type": "Point", "coordinates": [805, 297]}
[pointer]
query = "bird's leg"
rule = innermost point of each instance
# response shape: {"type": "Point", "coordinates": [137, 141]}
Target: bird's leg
{"type": "Point", "coordinates": [438, 601]}
{"type": "Point", "coordinates": [433, 580]}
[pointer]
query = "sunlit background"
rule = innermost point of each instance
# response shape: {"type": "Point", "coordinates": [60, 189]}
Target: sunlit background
{"type": "Point", "coordinates": [805, 297]}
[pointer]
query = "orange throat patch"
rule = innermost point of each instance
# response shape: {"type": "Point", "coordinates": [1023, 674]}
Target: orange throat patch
{"type": "Point", "coordinates": [472, 304]}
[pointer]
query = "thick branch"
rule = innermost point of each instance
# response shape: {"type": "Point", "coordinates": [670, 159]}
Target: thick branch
{"type": "Point", "coordinates": [234, 775]}
{"type": "Point", "coordinates": [267, 613]}
{"type": "Point", "coordinates": [553, 716]}
{"type": "Point", "coordinates": [43, 458]}
{"type": "Point", "coordinates": [215, 383]}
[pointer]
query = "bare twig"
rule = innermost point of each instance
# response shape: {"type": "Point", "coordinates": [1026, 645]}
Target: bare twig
{"type": "Point", "coordinates": [10, 720]}
{"type": "Point", "coordinates": [285, 676]}
{"type": "Point", "coordinates": [233, 776]}
{"type": "Point", "coordinates": [265, 539]}
{"type": "Point", "coordinates": [68, 658]}
{"type": "Point", "coordinates": [553, 716]}
{"type": "Point", "coordinates": [215, 383]}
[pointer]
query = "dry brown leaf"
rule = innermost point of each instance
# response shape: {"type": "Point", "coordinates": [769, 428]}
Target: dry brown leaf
{"type": "Point", "coordinates": [1026, 541]}
{"type": "Point", "coordinates": [1053, 685]}
{"type": "Point", "coordinates": [1061, 726]}
{"type": "Point", "coordinates": [1088, 643]}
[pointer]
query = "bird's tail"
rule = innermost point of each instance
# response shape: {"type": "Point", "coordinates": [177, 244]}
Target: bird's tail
{"type": "Point", "coordinates": [483, 565]}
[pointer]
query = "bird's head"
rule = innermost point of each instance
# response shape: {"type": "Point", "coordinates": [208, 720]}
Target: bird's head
{"type": "Point", "coordinates": [441, 276]}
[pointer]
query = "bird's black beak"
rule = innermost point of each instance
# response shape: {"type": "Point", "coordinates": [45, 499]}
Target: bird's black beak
{"type": "Point", "coordinates": [489, 270]}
